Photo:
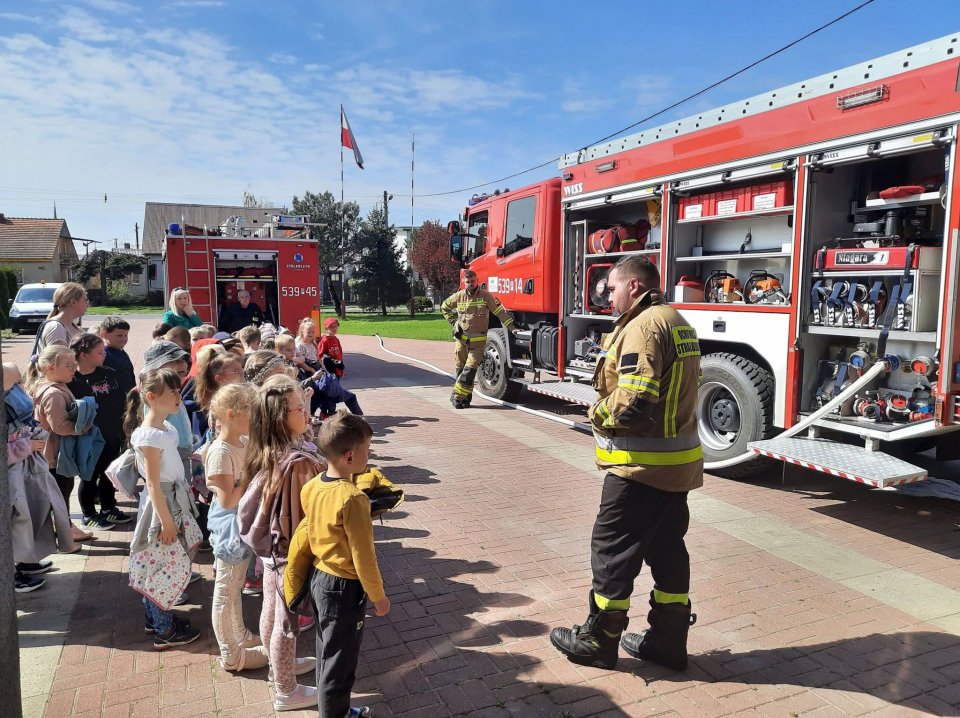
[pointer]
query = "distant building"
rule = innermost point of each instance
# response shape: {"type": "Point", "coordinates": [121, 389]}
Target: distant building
{"type": "Point", "coordinates": [39, 249]}
{"type": "Point", "coordinates": [158, 215]}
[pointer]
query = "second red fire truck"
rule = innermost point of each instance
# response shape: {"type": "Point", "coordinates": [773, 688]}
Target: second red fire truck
{"type": "Point", "coordinates": [809, 234]}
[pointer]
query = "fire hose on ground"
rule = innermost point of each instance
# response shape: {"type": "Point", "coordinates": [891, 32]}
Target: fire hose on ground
{"type": "Point", "coordinates": [878, 368]}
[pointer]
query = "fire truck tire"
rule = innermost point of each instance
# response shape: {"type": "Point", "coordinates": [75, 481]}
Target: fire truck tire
{"type": "Point", "coordinates": [494, 375]}
{"type": "Point", "coordinates": [734, 407]}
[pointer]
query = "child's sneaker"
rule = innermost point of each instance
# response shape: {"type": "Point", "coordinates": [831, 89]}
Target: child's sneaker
{"type": "Point", "coordinates": [32, 569]}
{"type": "Point", "coordinates": [300, 666]}
{"type": "Point", "coordinates": [179, 635]}
{"type": "Point", "coordinates": [306, 622]}
{"type": "Point", "coordinates": [150, 629]}
{"type": "Point", "coordinates": [96, 523]}
{"type": "Point", "coordinates": [194, 577]}
{"type": "Point", "coordinates": [252, 587]}
{"type": "Point", "coordinates": [300, 698]}
{"type": "Point", "coordinates": [361, 711]}
{"type": "Point", "coordinates": [116, 516]}
{"type": "Point", "coordinates": [23, 583]}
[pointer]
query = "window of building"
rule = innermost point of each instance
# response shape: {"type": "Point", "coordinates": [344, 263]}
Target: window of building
{"type": "Point", "coordinates": [520, 215]}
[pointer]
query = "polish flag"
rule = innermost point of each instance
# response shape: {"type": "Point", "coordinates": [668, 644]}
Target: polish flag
{"type": "Point", "coordinates": [347, 139]}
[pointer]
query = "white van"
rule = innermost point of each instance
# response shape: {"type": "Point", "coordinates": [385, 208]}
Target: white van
{"type": "Point", "coordinates": [31, 306]}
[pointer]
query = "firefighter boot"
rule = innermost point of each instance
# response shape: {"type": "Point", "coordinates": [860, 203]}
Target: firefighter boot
{"type": "Point", "coordinates": [665, 642]}
{"type": "Point", "coordinates": [595, 643]}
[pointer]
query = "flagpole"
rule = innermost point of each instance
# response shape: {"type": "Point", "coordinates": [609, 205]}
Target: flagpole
{"type": "Point", "coordinates": [343, 266]}
{"type": "Point", "coordinates": [413, 156]}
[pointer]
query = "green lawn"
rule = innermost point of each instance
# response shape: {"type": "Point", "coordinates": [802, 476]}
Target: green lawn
{"type": "Point", "coordinates": [106, 309]}
{"type": "Point", "coordinates": [396, 326]}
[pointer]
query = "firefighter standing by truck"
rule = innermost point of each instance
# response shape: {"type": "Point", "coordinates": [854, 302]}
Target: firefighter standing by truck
{"type": "Point", "coordinates": [645, 427]}
{"type": "Point", "coordinates": [468, 312]}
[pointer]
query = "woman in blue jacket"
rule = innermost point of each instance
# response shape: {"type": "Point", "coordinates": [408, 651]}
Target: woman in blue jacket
{"type": "Point", "coordinates": [181, 312]}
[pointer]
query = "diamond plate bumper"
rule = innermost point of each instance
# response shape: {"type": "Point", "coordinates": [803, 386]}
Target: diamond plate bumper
{"type": "Point", "coordinates": [848, 462]}
{"type": "Point", "coordinates": [575, 393]}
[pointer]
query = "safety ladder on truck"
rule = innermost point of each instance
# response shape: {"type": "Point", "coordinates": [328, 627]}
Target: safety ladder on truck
{"type": "Point", "coordinates": [200, 276]}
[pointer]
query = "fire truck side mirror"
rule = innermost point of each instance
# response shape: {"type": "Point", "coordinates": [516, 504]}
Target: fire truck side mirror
{"type": "Point", "coordinates": [453, 227]}
{"type": "Point", "coordinates": [456, 248]}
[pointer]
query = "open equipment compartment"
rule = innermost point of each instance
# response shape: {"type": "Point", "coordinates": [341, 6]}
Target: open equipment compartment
{"type": "Point", "coordinates": [874, 236]}
{"type": "Point", "coordinates": [734, 238]}
{"type": "Point", "coordinates": [616, 229]}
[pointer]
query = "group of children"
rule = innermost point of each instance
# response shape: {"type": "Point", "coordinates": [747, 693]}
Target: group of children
{"type": "Point", "coordinates": [267, 468]}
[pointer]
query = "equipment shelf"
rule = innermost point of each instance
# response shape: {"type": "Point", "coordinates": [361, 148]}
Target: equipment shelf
{"type": "Point", "coordinates": [739, 215]}
{"type": "Point", "coordinates": [858, 271]}
{"type": "Point", "coordinates": [916, 200]}
{"type": "Point", "coordinates": [872, 333]}
{"type": "Point", "coordinates": [622, 254]}
{"type": "Point", "coordinates": [733, 256]}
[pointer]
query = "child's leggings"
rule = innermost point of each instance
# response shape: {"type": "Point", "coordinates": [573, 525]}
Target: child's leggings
{"type": "Point", "coordinates": [281, 646]}
{"type": "Point", "coordinates": [162, 620]}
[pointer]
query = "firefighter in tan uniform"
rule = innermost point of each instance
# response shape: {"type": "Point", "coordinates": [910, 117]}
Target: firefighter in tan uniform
{"type": "Point", "coordinates": [645, 427]}
{"type": "Point", "coordinates": [468, 311]}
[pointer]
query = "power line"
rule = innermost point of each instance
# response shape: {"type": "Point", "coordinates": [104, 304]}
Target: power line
{"type": "Point", "coordinates": [676, 104]}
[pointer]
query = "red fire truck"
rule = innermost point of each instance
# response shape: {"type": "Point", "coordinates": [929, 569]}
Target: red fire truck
{"type": "Point", "coordinates": [276, 263]}
{"type": "Point", "coordinates": [810, 236]}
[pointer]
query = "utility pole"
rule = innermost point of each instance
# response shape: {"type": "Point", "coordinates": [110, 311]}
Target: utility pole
{"type": "Point", "coordinates": [386, 211]}
{"type": "Point", "coordinates": [136, 231]}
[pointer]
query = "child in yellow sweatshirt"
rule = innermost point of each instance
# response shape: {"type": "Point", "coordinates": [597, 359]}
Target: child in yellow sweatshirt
{"type": "Point", "coordinates": [341, 541]}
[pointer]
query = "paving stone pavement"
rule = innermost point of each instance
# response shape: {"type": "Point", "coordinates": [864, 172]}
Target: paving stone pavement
{"type": "Point", "coordinates": [814, 596]}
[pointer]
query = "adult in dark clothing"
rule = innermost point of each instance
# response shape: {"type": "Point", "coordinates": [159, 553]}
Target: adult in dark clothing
{"type": "Point", "coordinates": [102, 383]}
{"type": "Point", "coordinates": [242, 314]}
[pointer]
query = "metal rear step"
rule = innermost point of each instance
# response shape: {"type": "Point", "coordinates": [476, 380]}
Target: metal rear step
{"type": "Point", "coordinates": [575, 393]}
{"type": "Point", "coordinates": [844, 460]}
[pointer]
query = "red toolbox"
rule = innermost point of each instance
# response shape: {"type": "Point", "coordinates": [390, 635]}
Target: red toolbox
{"type": "Point", "coordinates": [770, 195]}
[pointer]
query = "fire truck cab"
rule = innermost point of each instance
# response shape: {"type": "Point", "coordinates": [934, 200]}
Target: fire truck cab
{"type": "Point", "coordinates": [810, 236]}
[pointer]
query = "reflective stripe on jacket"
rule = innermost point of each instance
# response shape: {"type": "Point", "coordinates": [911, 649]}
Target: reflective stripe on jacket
{"type": "Point", "coordinates": [472, 313]}
{"type": "Point", "coordinates": [644, 420]}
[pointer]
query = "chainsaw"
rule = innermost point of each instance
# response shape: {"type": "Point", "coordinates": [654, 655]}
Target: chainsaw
{"type": "Point", "coordinates": [764, 288]}
{"type": "Point", "coordinates": [722, 288]}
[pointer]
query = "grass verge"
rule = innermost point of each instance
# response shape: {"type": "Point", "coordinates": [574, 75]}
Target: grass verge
{"type": "Point", "coordinates": [107, 310]}
{"type": "Point", "coordinates": [396, 326]}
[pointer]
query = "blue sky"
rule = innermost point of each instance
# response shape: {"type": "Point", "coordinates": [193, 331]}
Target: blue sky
{"type": "Point", "coordinates": [200, 100]}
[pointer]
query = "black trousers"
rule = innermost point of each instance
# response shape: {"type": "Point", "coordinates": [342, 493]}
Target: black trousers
{"type": "Point", "coordinates": [100, 487]}
{"type": "Point", "coordinates": [638, 523]}
{"type": "Point", "coordinates": [340, 605]}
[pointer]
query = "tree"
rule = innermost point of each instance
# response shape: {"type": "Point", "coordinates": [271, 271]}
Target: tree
{"type": "Point", "coordinates": [324, 212]}
{"type": "Point", "coordinates": [251, 200]}
{"type": "Point", "coordinates": [109, 265]}
{"type": "Point", "coordinates": [431, 258]}
{"type": "Point", "coordinates": [380, 281]}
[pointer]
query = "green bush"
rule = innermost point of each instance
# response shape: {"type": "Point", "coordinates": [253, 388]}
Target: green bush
{"type": "Point", "coordinates": [423, 304]}
{"type": "Point", "coordinates": [8, 279]}
{"type": "Point", "coordinates": [118, 293]}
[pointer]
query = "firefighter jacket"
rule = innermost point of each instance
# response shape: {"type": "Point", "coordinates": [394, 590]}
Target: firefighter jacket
{"type": "Point", "coordinates": [644, 420]}
{"type": "Point", "coordinates": [470, 314]}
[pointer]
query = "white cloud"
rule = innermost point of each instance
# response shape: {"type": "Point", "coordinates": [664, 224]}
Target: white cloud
{"type": "Point", "coordinates": [176, 114]}
{"type": "Point", "coordinates": [116, 6]}
{"type": "Point", "coordinates": [83, 26]}
{"type": "Point", "coordinates": [281, 58]}
{"type": "Point", "coordinates": [20, 17]}
{"type": "Point", "coordinates": [197, 3]}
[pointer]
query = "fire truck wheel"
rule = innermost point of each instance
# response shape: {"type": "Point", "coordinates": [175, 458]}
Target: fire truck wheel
{"type": "Point", "coordinates": [494, 374]}
{"type": "Point", "coordinates": [734, 407]}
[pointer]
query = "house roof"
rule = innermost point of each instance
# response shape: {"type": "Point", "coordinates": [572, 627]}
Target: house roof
{"type": "Point", "coordinates": [157, 215]}
{"type": "Point", "coordinates": [30, 238]}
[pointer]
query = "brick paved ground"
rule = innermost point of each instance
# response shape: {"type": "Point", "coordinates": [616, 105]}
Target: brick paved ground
{"type": "Point", "coordinates": [814, 596]}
